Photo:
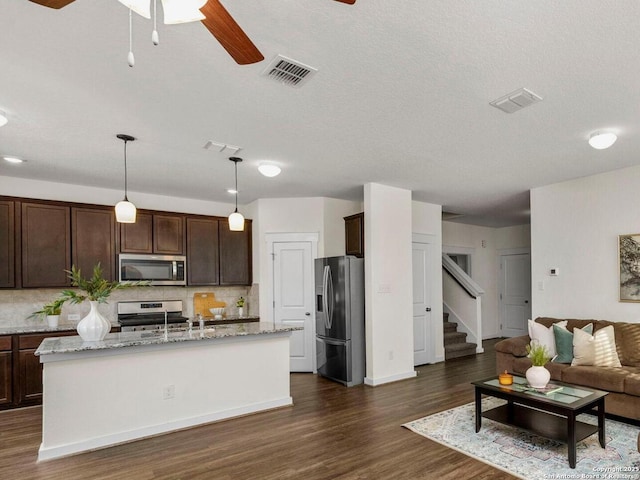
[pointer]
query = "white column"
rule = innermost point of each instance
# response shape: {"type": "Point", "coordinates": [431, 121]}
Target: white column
{"type": "Point", "coordinates": [388, 284]}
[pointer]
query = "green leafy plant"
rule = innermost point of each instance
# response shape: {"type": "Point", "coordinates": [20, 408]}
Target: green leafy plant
{"type": "Point", "coordinates": [240, 302]}
{"type": "Point", "coordinates": [96, 288]}
{"type": "Point", "coordinates": [54, 307]}
{"type": "Point", "coordinates": [538, 354]}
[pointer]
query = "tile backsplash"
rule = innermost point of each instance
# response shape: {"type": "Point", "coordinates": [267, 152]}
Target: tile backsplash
{"type": "Point", "coordinates": [17, 305]}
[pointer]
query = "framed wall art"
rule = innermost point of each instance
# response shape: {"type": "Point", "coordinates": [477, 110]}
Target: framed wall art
{"type": "Point", "coordinates": [629, 262]}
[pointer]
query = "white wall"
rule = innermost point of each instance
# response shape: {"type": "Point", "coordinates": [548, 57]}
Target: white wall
{"type": "Point", "coordinates": [575, 227]}
{"type": "Point", "coordinates": [427, 220]}
{"type": "Point", "coordinates": [323, 216]}
{"type": "Point", "coordinates": [485, 261]}
{"type": "Point", "coordinates": [388, 284]}
{"type": "Point", "coordinates": [334, 212]}
{"type": "Point", "coordinates": [20, 187]}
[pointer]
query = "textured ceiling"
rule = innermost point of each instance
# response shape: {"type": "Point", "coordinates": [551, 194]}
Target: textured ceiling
{"type": "Point", "coordinates": [401, 97]}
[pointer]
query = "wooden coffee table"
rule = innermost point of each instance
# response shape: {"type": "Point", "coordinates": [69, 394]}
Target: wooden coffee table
{"type": "Point", "coordinates": [547, 415]}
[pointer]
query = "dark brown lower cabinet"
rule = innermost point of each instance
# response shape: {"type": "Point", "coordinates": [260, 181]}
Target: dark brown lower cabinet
{"type": "Point", "coordinates": [6, 395]}
{"type": "Point", "coordinates": [21, 370]}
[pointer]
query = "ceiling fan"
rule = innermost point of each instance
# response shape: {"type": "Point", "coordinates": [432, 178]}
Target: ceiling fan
{"type": "Point", "coordinates": [218, 21]}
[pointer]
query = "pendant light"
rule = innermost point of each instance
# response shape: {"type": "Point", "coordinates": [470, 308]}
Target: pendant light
{"type": "Point", "coordinates": [125, 210]}
{"type": "Point", "coordinates": [236, 220]}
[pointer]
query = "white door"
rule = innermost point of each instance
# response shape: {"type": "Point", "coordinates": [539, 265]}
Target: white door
{"type": "Point", "coordinates": [515, 296]}
{"type": "Point", "coordinates": [423, 348]}
{"type": "Point", "coordinates": [293, 292]}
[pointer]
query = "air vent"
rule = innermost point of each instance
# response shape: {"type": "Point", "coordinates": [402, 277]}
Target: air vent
{"type": "Point", "coordinates": [289, 72]}
{"type": "Point", "coordinates": [515, 101]}
{"type": "Point", "coordinates": [221, 147]}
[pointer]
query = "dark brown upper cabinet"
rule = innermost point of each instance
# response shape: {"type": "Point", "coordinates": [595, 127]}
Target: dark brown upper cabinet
{"type": "Point", "coordinates": [7, 244]}
{"type": "Point", "coordinates": [46, 245]}
{"type": "Point", "coordinates": [137, 237]}
{"type": "Point", "coordinates": [153, 233]}
{"type": "Point", "coordinates": [203, 253]}
{"type": "Point", "coordinates": [93, 240]}
{"type": "Point", "coordinates": [354, 235]}
{"type": "Point", "coordinates": [168, 234]}
{"type": "Point", "coordinates": [235, 255]}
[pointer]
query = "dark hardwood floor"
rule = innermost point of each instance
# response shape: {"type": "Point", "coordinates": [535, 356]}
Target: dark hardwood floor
{"type": "Point", "coordinates": [331, 432]}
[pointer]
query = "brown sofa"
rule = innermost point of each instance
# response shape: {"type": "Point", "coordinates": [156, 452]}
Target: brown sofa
{"type": "Point", "coordinates": [623, 383]}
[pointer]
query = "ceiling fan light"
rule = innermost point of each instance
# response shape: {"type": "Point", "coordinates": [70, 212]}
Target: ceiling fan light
{"type": "Point", "coordinates": [125, 212]}
{"type": "Point", "coordinates": [182, 11]}
{"type": "Point", "coordinates": [269, 170]}
{"type": "Point", "coordinates": [141, 7]}
{"type": "Point", "coordinates": [236, 222]}
{"type": "Point", "coordinates": [602, 140]}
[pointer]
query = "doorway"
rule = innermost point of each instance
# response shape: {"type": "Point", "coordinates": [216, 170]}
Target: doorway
{"type": "Point", "coordinates": [292, 294]}
{"type": "Point", "coordinates": [423, 329]}
{"type": "Point", "coordinates": [515, 292]}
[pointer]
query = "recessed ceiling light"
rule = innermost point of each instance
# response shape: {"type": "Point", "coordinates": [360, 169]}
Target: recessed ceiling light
{"type": "Point", "coordinates": [231, 191]}
{"type": "Point", "coordinates": [269, 169]}
{"type": "Point", "coordinates": [3, 118]}
{"type": "Point", "coordinates": [13, 160]}
{"type": "Point", "coordinates": [602, 140]}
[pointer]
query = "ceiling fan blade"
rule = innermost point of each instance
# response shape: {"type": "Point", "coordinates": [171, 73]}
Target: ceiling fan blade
{"type": "Point", "coordinates": [350, 2]}
{"type": "Point", "coordinates": [222, 26]}
{"type": "Point", "coordinates": [53, 3]}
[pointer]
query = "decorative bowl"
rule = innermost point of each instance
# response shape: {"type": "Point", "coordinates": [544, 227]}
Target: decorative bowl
{"type": "Point", "coordinates": [216, 311]}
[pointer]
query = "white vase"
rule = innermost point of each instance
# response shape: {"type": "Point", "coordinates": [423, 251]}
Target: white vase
{"type": "Point", "coordinates": [52, 320]}
{"type": "Point", "coordinates": [240, 311]}
{"type": "Point", "coordinates": [538, 377]}
{"type": "Point", "coordinates": [94, 327]}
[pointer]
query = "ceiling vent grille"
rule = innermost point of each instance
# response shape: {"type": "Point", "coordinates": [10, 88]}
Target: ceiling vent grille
{"type": "Point", "coordinates": [515, 101]}
{"type": "Point", "coordinates": [289, 72]}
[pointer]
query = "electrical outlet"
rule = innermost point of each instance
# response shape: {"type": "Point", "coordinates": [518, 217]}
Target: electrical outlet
{"type": "Point", "coordinates": [74, 316]}
{"type": "Point", "coordinates": [169, 392]}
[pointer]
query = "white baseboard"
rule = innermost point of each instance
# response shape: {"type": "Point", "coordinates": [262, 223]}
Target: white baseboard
{"type": "Point", "coordinates": [374, 382]}
{"type": "Point", "coordinates": [149, 431]}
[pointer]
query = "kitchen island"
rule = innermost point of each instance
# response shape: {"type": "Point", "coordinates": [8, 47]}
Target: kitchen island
{"type": "Point", "coordinates": [138, 384]}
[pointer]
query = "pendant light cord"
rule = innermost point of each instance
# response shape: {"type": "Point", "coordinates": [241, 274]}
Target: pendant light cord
{"type": "Point", "coordinates": [125, 171]}
{"type": "Point", "coordinates": [236, 165]}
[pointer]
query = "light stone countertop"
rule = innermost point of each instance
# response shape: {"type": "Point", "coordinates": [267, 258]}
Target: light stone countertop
{"type": "Point", "coordinates": [157, 337]}
{"type": "Point", "coordinates": [38, 328]}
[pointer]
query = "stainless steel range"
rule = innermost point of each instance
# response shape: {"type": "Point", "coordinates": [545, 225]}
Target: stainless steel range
{"type": "Point", "coordinates": [150, 315]}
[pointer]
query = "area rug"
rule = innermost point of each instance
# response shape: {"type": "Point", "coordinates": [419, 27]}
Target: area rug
{"type": "Point", "coordinates": [531, 457]}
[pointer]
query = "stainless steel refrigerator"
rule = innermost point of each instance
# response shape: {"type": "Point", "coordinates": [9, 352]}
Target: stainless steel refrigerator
{"type": "Point", "coordinates": [340, 341]}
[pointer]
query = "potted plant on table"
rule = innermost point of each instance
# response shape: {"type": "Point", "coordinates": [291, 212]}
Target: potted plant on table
{"type": "Point", "coordinates": [537, 375]}
{"type": "Point", "coordinates": [51, 311]}
{"type": "Point", "coordinates": [240, 305]}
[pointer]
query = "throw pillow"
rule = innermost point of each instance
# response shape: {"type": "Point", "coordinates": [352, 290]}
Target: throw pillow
{"type": "Point", "coordinates": [564, 342]}
{"type": "Point", "coordinates": [598, 350]}
{"type": "Point", "coordinates": [544, 336]}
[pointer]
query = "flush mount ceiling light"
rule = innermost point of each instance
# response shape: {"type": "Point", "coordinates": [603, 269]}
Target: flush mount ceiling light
{"type": "Point", "coordinates": [269, 169]}
{"type": "Point", "coordinates": [602, 140]}
{"type": "Point", "coordinates": [3, 119]}
{"type": "Point", "coordinates": [125, 210]}
{"type": "Point", "coordinates": [236, 220]}
{"type": "Point", "coordinates": [13, 159]}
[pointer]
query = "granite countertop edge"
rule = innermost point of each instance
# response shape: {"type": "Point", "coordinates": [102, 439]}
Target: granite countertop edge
{"type": "Point", "coordinates": [58, 345]}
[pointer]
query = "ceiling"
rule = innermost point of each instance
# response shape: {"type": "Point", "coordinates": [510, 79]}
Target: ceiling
{"type": "Point", "coordinates": [401, 97]}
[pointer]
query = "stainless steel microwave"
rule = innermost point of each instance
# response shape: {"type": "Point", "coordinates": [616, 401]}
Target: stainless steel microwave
{"type": "Point", "coordinates": [157, 269]}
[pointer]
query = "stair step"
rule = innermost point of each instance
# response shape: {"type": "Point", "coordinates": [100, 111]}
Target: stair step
{"type": "Point", "coordinates": [452, 338]}
{"type": "Point", "coordinates": [445, 317]}
{"type": "Point", "coordinates": [450, 327]}
{"type": "Point", "coordinates": [458, 350]}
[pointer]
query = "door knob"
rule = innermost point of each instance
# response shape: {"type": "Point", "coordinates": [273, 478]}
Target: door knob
{"type": "Point", "coordinates": [307, 313]}
{"type": "Point", "coordinates": [428, 309]}
{"type": "Point", "coordinates": [526, 301]}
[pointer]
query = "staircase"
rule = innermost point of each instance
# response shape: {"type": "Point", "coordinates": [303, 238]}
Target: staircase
{"type": "Point", "coordinates": [455, 343]}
